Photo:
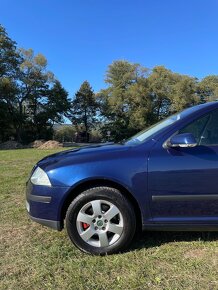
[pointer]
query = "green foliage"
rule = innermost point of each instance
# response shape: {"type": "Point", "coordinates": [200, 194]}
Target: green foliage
{"type": "Point", "coordinates": [136, 97]}
{"type": "Point", "coordinates": [5, 122]}
{"type": "Point", "coordinates": [208, 88]}
{"type": "Point", "coordinates": [84, 108]}
{"type": "Point", "coordinates": [9, 57]}
{"type": "Point", "coordinates": [184, 93]}
{"type": "Point", "coordinates": [31, 96]}
{"type": "Point", "coordinates": [160, 81]}
{"type": "Point", "coordinates": [9, 67]}
{"type": "Point", "coordinates": [32, 100]}
{"type": "Point", "coordinates": [118, 102]}
{"type": "Point", "coordinates": [65, 134]}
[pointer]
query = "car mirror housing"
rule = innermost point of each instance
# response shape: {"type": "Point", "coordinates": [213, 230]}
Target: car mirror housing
{"type": "Point", "coordinates": [181, 140]}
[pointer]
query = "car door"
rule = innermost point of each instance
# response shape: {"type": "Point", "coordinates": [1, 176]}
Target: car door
{"type": "Point", "coordinates": [183, 182]}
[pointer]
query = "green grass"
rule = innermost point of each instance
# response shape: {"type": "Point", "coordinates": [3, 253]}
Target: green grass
{"type": "Point", "coordinates": [36, 257]}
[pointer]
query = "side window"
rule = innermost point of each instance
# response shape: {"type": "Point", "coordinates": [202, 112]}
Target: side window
{"type": "Point", "coordinates": [196, 128]}
{"type": "Point", "coordinates": [204, 129]}
{"type": "Point", "coordinates": [210, 134]}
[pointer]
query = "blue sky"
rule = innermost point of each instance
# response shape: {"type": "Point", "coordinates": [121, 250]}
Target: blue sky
{"type": "Point", "coordinates": [81, 38]}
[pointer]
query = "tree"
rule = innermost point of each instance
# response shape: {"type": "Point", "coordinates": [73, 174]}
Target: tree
{"type": "Point", "coordinates": [58, 105]}
{"type": "Point", "coordinates": [161, 81]}
{"type": "Point", "coordinates": [84, 108]}
{"type": "Point", "coordinates": [9, 57]}
{"type": "Point", "coordinates": [6, 128]}
{"type": "Point", "coordinates": [48, 110]}
{"type": "Point", "coordinates": [8, 104]}
{"type": "Point", "coordinates": [65, 134]}
{"type": "Point", "coordinates": [184, 93]}
{"type": "Point", "coordinates": [208, 89]}
{"type": "Point", "coordinates": [29, 93]}
{"type": "Point", "coordinates": [141, 113]}
{"type": "Point", "coordinates": [119, 106]}
{"type": "Point", "coordinates": [32, 99]}
{"type": "Point", "coordinates": [9, 69]}
{"type": "Point", "coordinates": [136, 97]}
{"type": "Point", "coordinates": [42, 99]}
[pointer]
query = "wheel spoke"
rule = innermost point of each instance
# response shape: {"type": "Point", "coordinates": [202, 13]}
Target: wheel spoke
{"type": "Point", "coordinates": [84, 218]}
{"type": "Point", "coordinates": [86, 235]}
{"type": "Point", "coordinates": [96, 206]}
{"type": "Point", "coordinates": [103, 239]}
{"type": "Point", "coordinates": [117, 229]}
{"type": "Point", "coordinates": [112, 212]}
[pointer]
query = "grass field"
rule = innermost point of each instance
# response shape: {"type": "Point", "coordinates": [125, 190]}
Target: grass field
{"type": "Point", "coordinates": [36, 257]}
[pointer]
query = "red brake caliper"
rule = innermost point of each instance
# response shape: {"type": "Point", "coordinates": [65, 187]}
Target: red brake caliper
{"type": "Point", "coordinates": [85, 226]}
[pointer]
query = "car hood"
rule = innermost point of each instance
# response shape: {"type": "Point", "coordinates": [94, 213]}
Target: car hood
{"type": "Point", "coordinates": [84, 153]}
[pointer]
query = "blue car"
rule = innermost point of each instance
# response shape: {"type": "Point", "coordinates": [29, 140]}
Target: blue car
{"type": "Point", "coordinates": [163, 178]}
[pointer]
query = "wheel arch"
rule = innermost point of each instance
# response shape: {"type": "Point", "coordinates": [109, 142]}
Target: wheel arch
{"type": "Point", "coordinates": [75, 191]}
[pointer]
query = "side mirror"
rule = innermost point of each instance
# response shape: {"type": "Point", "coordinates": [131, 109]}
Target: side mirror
{"type": "Point", "coordinates": [181, 140]}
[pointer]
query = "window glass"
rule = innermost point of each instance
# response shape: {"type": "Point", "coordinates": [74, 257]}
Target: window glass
{"type": "Point", "coordinates": [196, 128]}
{"type": "Point", "coordinates": [210, 134]}
{"type": "Point", "coordinates": [204, 129]}
{"type": "Point", "coordinates": [150, 132]}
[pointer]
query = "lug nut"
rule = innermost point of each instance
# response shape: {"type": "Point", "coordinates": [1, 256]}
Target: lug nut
{"type": "Point", "coordinates": [93, 221]}
{"type": "Point", "coordinates": [103, 228]}
{"type": "Point", "coordinates": [105, 221]}
{"type": "Point", "coordinates": [96, 228]}
{"type": "Point", "coordinates": [99, 216]}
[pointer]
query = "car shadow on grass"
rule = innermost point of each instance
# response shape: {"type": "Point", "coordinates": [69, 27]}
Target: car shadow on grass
{"type": "Point", "coordinates": [149, 239]}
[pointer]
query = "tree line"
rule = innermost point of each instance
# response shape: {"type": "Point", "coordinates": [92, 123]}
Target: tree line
{"type": "Point", "coordinates": [32, 99]}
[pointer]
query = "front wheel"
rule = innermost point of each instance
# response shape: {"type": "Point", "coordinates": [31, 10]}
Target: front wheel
{"type": "Point", "coordinates": [101, 221]}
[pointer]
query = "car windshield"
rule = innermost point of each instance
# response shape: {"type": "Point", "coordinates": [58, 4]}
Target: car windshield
{"type": "Point", "coordinates": [150, 131]}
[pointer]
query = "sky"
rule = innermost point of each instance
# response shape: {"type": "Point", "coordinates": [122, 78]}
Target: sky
{"type": "Point", "coordinates": [81, 38]}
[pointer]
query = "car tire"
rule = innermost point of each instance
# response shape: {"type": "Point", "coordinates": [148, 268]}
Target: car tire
{"type": "Point", "coordinates": [101, 221]}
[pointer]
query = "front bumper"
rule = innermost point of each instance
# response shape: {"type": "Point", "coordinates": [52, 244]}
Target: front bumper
{"type": "Point", "coordinates": [44, 204]}
{"type": "Point", "coordinates": [56, 225]}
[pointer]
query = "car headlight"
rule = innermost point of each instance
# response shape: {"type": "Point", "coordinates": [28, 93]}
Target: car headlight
{"type": "Point", "coordinates": [39, 177]}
